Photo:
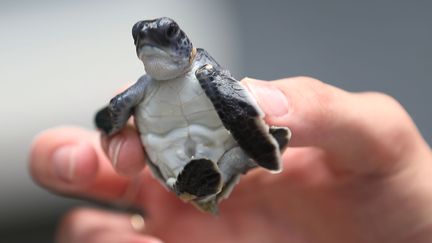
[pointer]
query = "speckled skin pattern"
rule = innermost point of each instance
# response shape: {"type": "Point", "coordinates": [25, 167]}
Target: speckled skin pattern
{"type": "Point", "coordinates": [200, 128]}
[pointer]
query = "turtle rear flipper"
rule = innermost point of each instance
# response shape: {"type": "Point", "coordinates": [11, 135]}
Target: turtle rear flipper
{"type": "Point", "coordinates": [199, 178]}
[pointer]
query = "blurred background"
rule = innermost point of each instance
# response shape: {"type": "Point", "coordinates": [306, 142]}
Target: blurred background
{"type": "Point", "coordinates": [62, 60]}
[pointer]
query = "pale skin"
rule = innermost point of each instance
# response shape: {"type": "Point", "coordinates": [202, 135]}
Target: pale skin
{"type": "Point", "coordinates": [357, 170]}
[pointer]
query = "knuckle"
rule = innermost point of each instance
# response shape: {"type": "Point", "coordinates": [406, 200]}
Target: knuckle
{"type": "Point", "coordinates": [396, 131]}
{"type": "Point", "coordinates": [402, 121]}
{"type": "Point", "coordinates": [320, 96]}
{"type": "Point", "coordinates": [316, 90]}
{"type": "Point", "coordinates": [309, 80]}
{"type": "Point", "coordinates": [391, 108]}
{"type": "Point", "coordinates": [383, 97]}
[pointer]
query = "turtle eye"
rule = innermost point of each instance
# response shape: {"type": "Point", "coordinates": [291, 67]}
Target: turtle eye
{"type": "Point", "coordinates": [172, 30]}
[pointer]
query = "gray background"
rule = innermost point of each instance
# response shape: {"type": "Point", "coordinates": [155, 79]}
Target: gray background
{"type": "Point", "coordinates": [61, 60]}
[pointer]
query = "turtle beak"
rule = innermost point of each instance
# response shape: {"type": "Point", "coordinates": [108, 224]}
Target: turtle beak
{"type": "Point", "coordinates": [136, 29]}
{"type": "Point", "coordinates": [139, 32]}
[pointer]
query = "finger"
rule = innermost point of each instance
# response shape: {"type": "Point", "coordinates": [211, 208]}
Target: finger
{"type": "Point", "coordinates": [91, 225]}
{"type": "Point", "coordinates": [69, 160]}
{"type": "Point", "coordinates": [366, 127]}
{"type": "Point", "coordinates": [125, 151]}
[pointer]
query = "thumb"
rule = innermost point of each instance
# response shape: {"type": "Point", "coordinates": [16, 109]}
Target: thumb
{"type": "Point", "coordinates": [350, 127]}
{"type": "Point", "coordinates": [305, 105]}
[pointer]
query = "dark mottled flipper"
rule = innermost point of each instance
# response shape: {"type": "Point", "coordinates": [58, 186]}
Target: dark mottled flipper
{"type": "Point", "coordinates": [112, 118]}
{"type": "Point", "coordinates": [282, 136]}
{"type": "Point", "coordinates": [240, 115]}
{"type": "Point", "coordinates": [200, 178]}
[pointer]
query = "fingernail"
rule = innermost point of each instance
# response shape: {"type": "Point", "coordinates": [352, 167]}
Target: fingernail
{"type": "Point", "coordinates": [114, 149]}
{"type": "Point", "coordinates": [63, 162]}
{"type": "Point", "coordinates": [271, 100]}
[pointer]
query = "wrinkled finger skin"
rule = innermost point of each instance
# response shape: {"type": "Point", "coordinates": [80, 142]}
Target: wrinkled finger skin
{"type": "Point", "coordinates": [357, 170]}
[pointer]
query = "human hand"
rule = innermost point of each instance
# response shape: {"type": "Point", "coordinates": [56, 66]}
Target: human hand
{"type": "Point", "coordinates": [357, 170]}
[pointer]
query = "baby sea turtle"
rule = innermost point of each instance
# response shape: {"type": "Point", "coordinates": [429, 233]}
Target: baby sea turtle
{"type": "Point", "coordinates": [199, 126]}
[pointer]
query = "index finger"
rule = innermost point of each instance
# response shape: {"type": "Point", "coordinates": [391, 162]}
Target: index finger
{"type": "Point", "coordinates": [69, 160]}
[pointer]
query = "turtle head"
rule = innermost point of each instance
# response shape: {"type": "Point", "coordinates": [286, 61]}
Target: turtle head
{"type": "Point", "coordinates": [163, 47]}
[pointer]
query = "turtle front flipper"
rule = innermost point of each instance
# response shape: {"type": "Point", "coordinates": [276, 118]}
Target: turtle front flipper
{"type": "Point", "coordinates": [241, 115]}
{"type": "Point", "coordinates": [113, 117]}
